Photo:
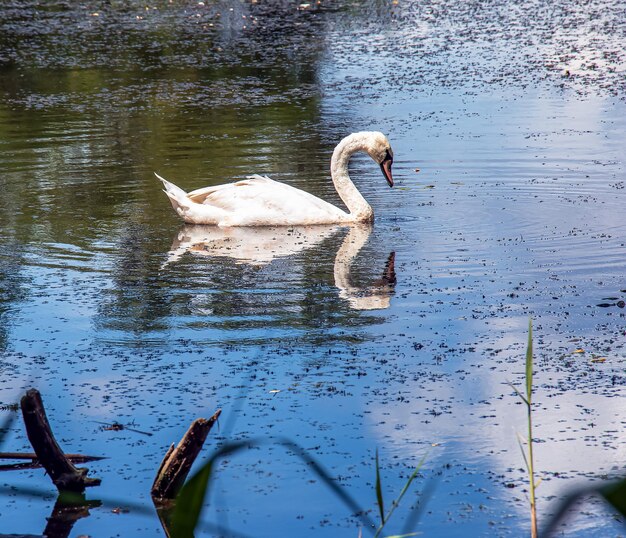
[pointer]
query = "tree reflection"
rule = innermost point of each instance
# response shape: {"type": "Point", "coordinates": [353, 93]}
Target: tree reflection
{"type": "Point", "coordinates": [12, 289]}
{"type": "Point", "coordinates": [204, 94]}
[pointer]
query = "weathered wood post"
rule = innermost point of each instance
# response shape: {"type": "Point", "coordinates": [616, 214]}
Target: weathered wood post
{"type": "Point", "coordinates": [64, 475]}
{"type": "Point", "coordinates": [178, 460]}
{"type": "Point", "coordinates": [175, 467]}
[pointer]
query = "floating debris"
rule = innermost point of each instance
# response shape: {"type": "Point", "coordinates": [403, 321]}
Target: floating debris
{"type": "Point", "coordinates": [116, 427]}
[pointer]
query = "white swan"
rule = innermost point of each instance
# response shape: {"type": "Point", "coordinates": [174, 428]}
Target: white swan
{"type": "Point", "coordinates": [260, 201]}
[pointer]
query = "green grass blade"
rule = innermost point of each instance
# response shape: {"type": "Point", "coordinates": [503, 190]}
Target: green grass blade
{"type": "Point", "coordinates": [523, 451]}
{"type": "Point", "coordinates": [560, 515]}
{"type": "Point", "coordinates": [191, 498]}
{"type": "Point", "coordinates": [416, 513]}
{"type": "Point", "coordinates": [324, 475]}
{"type": "Point", "coordinates": [395, 503]}
{"type": "Point", "coordinates": [517, 391]}
{"type": "Point", "coordinates": [615, 495]}
{"type": "Point", "coordinates": [379, 492]}
{"type": "Point", "coordinates": [408, 483]}
{"type": "Point", "coordinates": [6, 426]}
{"type": "Point", "coordinates": [529, 362]}
{"type": "Point", "coordinates": [189, 503]}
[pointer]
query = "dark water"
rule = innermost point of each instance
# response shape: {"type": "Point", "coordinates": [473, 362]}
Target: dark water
{"type": "Point", "coordinates": [513, 112]}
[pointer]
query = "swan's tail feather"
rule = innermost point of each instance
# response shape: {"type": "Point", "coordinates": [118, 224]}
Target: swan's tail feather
{"type": "Point", "coordinates": [180, 205]}
{"type": "Point", "coordinates": [177, 196]}
{"type": "Point", "coordinates": [171, 188]}
{"type": "Point", "coordinates": [188, 209]}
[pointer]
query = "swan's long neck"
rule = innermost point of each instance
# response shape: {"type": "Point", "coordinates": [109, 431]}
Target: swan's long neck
{"type": "Point", "coordinates": [358, 208]}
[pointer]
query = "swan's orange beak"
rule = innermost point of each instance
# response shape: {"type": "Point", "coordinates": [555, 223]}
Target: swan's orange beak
{"type": "Point", "coordinates": [385, 166]}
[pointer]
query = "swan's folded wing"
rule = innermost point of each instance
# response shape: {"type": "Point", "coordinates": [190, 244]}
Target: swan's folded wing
{"type": "Point", "coordinates": [265, 201]}
{"type": "Point", "coordinates": [199, 195]}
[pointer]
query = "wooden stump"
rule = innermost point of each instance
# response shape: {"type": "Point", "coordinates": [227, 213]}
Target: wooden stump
{"type": "Point", "coordinates": [64, 475]}
{"type": "Point", "coordinates": [178, 461]}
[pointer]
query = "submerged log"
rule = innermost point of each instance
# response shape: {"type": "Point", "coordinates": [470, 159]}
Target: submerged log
{"type": "Point", "coordinates": [64, 475]}
{"type": "Point", "coordinates": [178, 461]}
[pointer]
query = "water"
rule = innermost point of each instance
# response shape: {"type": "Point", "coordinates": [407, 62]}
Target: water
{"type": "Point", "coordinates": [117, 312]}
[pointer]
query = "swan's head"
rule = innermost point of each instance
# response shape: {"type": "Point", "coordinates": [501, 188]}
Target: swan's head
{"type": "Point", "coordinates": [379, 149]}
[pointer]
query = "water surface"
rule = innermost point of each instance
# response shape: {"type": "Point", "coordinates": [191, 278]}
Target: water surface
{"type": "Point", "coordinates": [118, 312]}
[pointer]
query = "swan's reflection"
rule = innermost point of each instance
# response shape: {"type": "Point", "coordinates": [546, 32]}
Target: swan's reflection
{"type": "Point", "coordinates": [249, 245]}
{"type": "Point", "coordinates": [377, 295]}
{"type": "Point", "coordinates": [262, 245]}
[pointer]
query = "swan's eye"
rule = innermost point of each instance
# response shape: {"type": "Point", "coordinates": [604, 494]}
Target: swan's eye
{"type": "Point", "coordinates": [388, 155]}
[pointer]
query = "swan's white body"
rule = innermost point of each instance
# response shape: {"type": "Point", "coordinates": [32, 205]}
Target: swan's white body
{"type": "Point", "coordinates": [261, 201]}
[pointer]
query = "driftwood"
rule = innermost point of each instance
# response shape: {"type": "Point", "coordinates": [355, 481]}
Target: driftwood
{"type": "Point", "coordinates": [74, 458]}
{"type": "Point", "coordinates": [178, 461]}
{"type": "Point", "coordinates": [64, 475]}
{"type": "Point", "coordinates": [34, 462]}
{"type": "Point", "coordinates": [72, 481]}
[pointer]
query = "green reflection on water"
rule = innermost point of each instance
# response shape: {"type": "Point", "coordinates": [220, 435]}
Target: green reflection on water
{"type": "Point", "coordinates": [86, 118]}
